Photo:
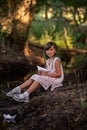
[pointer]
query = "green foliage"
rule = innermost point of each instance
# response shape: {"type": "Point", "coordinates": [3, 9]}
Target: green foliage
{"type": "Point", "coordinates": [50, 30]}
{"type": "Point", "coordinates": [80, 41]}
{"type": "Point", "coordinates": [41, 31]}
{"type": "Point", "coordinates": [46, 37]}
{"type": "Point", "coordinates": [78, 59]}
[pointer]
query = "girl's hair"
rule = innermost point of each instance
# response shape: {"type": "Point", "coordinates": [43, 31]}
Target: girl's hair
{"type": "Point", "coordinates": [49, 45]}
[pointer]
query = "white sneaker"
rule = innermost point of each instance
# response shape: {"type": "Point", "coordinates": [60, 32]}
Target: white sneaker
{"type": "Point", "coordinates": [24, 97]}
{"type": "Point", "coordinates": [16, 90]}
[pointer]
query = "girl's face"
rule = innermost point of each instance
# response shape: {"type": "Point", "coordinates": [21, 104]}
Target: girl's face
{"type": "Point", "coordinates": [51, 52]}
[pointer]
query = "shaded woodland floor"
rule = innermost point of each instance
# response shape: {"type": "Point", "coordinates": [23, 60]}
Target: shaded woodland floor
{"type": "Point", "coordinates": [63, 109]}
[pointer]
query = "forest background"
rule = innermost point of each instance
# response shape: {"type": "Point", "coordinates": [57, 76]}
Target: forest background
{"type": "Point", "coordinates": [59, 21]}
{"type": "Point", "coordinates": [25, 26]}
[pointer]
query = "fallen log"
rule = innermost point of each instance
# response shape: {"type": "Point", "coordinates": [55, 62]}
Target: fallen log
{"type": "Point", "coordinates": [74, 51]}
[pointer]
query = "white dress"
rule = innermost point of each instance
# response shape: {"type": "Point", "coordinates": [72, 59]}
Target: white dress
{"type": "Point", "coordinates": [46, 81]}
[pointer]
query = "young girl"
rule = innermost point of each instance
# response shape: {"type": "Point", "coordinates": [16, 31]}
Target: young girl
{"type": "Point", "coordinates": [52, 78]}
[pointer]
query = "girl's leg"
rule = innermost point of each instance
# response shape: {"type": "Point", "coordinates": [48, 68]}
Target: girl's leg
{"type": "Point", "coordinates": [24, 97]}
{"type": "Point", "coordinates": [33, 87]}
{"type": "Point", "coordinates": [17, 90]}
{"type": "Point", "coordinates": [26, 83]}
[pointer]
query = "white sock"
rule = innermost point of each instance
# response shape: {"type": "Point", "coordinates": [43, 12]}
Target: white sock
{"type": "Point", "coordinates": [18, 88]}
{"type": "Point", "coordinates": [26, 94]}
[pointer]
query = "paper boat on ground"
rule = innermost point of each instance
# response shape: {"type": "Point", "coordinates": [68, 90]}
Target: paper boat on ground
{"type": "Point", "coordinates": [9, 118]}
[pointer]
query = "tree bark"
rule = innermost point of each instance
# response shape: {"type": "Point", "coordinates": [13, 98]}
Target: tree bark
{"type": "Point", "coordinates": [22, 17]}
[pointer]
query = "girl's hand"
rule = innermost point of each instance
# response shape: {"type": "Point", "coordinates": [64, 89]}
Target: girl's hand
{"type": "Point", "coordinates": [39, 72]}
{"type": "Point", "coordinates": [44, 73]}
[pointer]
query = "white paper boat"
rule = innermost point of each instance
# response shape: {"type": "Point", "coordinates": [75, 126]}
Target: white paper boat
{"type": "Point", "coordinates": [9, 118]}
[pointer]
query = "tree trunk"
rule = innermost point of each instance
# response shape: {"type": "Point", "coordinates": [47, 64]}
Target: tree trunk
{"type": "Point", "coordinates": [22, 17]}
